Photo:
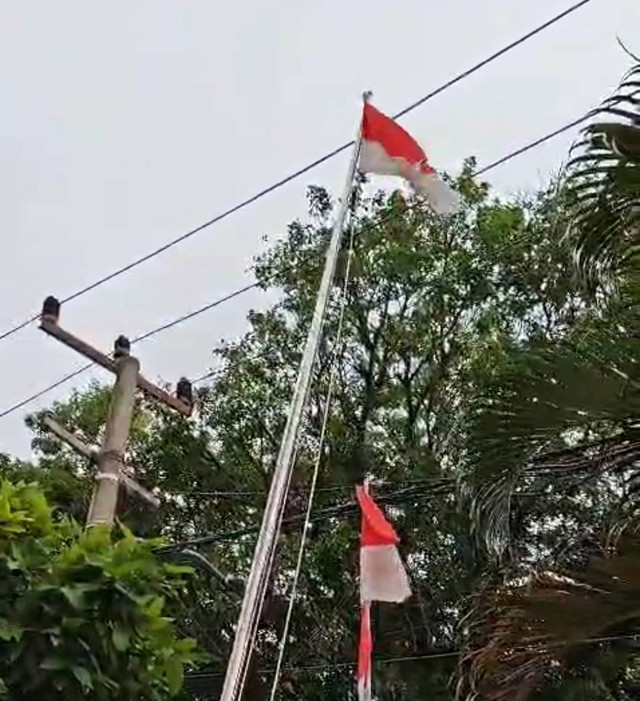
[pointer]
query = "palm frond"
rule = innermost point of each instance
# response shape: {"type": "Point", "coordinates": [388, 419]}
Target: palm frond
{"type": "Point", "coordinates": [548, 400]}
{"type": "Point", "coordinates": [529, 628]}
{"type": "Point", "coordinates": [603, 185]}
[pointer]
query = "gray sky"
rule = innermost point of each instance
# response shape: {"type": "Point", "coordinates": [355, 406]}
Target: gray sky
{"type": "Point", "coordinates": [124, 124]}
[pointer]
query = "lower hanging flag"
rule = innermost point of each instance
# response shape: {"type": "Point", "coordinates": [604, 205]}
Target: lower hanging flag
{"type": "Point", "coordinates": [387, 149]}
{"type": "Point", "coordinates": [382, 578]}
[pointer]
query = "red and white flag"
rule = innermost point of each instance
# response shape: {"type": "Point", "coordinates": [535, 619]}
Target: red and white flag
{"type": "Point", "coordinates": [382, 578]}
{"type": "Point", "coordinates": [387, 149]}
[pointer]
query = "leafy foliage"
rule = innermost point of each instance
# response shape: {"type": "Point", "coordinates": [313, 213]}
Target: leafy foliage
{"type": "Point", "coordinates": [529, 627]}
{"type": "Point", "coordinates": [604, 182]}
{"type": "Point", "coordinates": [488, 393]}
{"type": "Point", "coordinates": [570, 407]}
{"type": "Point", "coordinates": [82, 615]}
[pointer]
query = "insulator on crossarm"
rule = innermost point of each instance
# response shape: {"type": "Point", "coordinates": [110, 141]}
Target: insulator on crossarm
{"type": "Point", "coordinates": [184, 391]}
{"type": "Point", "coordinates": [50, 310]}
{"type": "Point", "coordinates": [121, 347]}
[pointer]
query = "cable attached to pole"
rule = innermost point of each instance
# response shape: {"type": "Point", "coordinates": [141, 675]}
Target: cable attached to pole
{"type": "Point", "coordinates": [305, 169]}
{"type": "Point", "coordinates": [141, 337]}
{"type": "Point", "coordinates": [270, 528]}
{"type": "Point", "coordinates": [513, 154]}
{"type": "Point", "coordinates": [316, 469]}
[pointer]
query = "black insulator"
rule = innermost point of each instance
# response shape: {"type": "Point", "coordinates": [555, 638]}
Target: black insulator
{"type": "Point", "coordinates": [184, 391]}
{"type": "Point", "coordinates": [121, 347]}
{"type": "Point", "coordinates": [51, 309]}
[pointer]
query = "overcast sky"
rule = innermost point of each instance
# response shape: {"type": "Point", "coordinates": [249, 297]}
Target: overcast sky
{"type": "Point", "coordinates": [125, 124]}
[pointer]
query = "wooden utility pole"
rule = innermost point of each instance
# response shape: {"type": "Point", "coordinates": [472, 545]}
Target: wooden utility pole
{"type": "Point", "coordinates": [110, 459]}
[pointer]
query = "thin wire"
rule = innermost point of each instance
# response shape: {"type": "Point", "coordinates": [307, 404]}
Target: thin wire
{"type": "Point", "coordinates": [389, 660]}
{"type": "Point", "coordinates": [253, 601]}
{"type": "Point", "coordinates": [493, 57]}
{"type": "Point", "coordinates": [206, 376]}
{"type": "Point", "coordinates": [407, 493]}
{"type": "Point", "coordinates": [336, 488]}
{"type": "Point", "coordinates": [533, 144]}
{"type": "Point", "coordinates": [407, 658]}
{"type": "Point", "coordinates": [197, 312]}
{"type": "Point", "coordinates": [44, 391]}
{"type": "Point", "coordinates": [293, 176]}
{"type": "Point", "coordinates": [66, 378]}
{"type": "Point", "coordinates": [316, 468]}
{"type": "Point", "coordinates": [264, 582]}
{"type": "Point", "coordinates": [142, 337]}
{"type": "Point", "coordinates": [205, 676]}
{"type": "Point", "coordinates": [332, 511]}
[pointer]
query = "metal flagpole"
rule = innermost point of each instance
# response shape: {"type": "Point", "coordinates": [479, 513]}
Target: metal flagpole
{"type": "Point", "coordinates": [254, 592]}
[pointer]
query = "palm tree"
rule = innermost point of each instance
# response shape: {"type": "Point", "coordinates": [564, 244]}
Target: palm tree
{"type": "Point", "coordinates": [567, 409]}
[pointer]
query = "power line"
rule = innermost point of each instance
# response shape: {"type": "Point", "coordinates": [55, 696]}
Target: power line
{"type": "Point", "coordinates": [334, 488]}
{"type": "Point", "coordinates": [206, 376]}
{"type": "Point", "coordinates": [493, 57]}
{"type": "Point", "coordinates": [301, 171]}
{"type": "Point", "coordinates": [44, 391]}
{"type": "Point", "coordinates": [322, 514]}
{"type": "Point", "coordinates": [422, 489]}
{"type": "Point", "coordinates": [423, 481]}
{"type": "Point", "coordinates": [202, 676]}
{"type": "Point", "coordinates": [142, 337]}
{"type": "Point", "coordinates": [534, 144]}
{"type": "Point", "coordinates": [242, 290]}
{"type": "Point", "coordinates": [197, 312]}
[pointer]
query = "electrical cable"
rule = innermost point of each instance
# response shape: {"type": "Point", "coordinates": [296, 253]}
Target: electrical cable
{"type": "Point", "coordinates": [421, 490]}
{"type": "Point", "coordinates": [320, 515]}
{"type": "Point", "coordinates": [335, 488]}
{"type": "Point", "coordinates": [408, 658]}
{"type": "Point", "coordinates": [301, 171]}
{"type": "Point", "coordinates": [142, 337]}
{"type": "Point", "coordinates": [242, 290]}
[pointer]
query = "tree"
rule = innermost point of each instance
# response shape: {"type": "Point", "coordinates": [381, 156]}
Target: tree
{"type": "Point", "coordinates": [435, 311]}
{"type": "Point", "coordinates": [82, 615]}
{"type": "Point", "coordinates": [572, 407]}
{"type": "Point", "coordinates": [440, 321]}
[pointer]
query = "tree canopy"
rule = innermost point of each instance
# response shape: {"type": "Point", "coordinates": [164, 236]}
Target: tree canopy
{"type": "Point", "coordinates": [488, 388]}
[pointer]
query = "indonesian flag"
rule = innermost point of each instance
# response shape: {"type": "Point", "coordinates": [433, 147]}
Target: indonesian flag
{"type": "Point", "coordinates": [382, 578]}
{"type": "Point", "coordinates": [387, 149]}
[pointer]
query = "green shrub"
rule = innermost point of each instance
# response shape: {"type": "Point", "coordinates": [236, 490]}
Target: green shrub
{"type": "Point", "coordinates": [81, 614]}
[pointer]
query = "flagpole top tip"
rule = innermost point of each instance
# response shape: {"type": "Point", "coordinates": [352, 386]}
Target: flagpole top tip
{"type": "Point", "coordinates": [366, 96]}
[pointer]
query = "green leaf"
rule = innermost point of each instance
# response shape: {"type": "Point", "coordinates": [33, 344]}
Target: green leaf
{"type": "Point", "coordinates": [73, 622]}
{"type": "Point", "coordinates": [9, 631]}
{"type": "Point", "coordinates": [83, 676]}
{"type": "Point", "coordinates": [155, 606]}
{"type": "Point", "coordinates": [178, 570]}
{"type": "Point", "coordinates": [174, 671]}
{"type": "Point", "coordinates": [54, 663]}
{"type": "Point", "coordinates": [74, 595]}
{"type": "Point", "coordinates": [121, 639]}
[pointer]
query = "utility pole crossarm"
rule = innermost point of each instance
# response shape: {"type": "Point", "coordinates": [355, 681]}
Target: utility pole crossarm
{"type": "Point", "coordinates": [51, 327]}
{"type": "Point", "coordinates": [70, 439]}
{"type": "Point", "coordinates": [112, 470]}
{"type": "Point", "coordinates": [91, 454]}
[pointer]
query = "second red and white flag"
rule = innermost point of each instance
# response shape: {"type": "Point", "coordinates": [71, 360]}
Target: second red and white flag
{"type": "Point", "coordinates": [382, 578]}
